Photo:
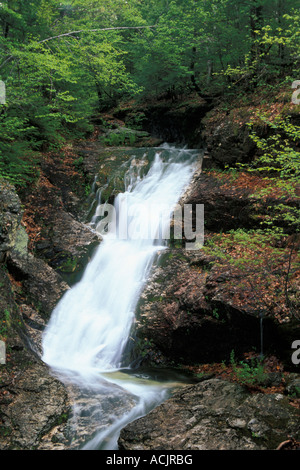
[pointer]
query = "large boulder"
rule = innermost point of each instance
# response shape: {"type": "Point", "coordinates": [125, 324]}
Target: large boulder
{"type": "Point", "coordinates": [214, 415]}
{"type": "Point", "coordinates": [33, 404]}
{"type": "Point", "coordinates": [229, 143]}
{"type": "Point", "coordinates": [43, 285]}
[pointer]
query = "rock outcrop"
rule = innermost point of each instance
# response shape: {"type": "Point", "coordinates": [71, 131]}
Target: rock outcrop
{"type": "Point", "coordinates": [194, 296]}
{"type": "Point", "coordinates": [32, 401]}
{"type": "Point", "coordinates": [10, 218]}
{"type": "Point", "coordinates": [229, 143]}
{"type": "Point", "coordinates": [173, 120]}
{"type": "Point", "coordinates": [189, 314]}
{"type": "Point", "coordinates": [214, 415]}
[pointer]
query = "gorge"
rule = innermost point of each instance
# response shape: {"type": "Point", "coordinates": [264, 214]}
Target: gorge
{"type": "Point", "coordinates": [188, 299]}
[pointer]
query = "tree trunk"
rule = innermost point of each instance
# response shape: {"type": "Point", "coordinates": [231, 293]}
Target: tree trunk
{"type": "Point", "coordinates": [256, 23]}
{"type": "Point", "coordinates": [193, 78]}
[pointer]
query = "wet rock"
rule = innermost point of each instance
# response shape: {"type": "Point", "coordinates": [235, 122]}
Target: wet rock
{"type": "Point", "coordinates": [214, 415]}
{"type": "Point", "coordinates": [54, 217]}
{"type": "Point", "coordinates": [31, 400]}
{"type": "Point", "coordinates": [293, 385]}
{"type": "Point", "coordinates": [43, 286]}
{"type": "Point", "coordinates": [71, 246]}
{"type": "Point", "coordinates": [37, 403]}
{"type": "Point", "coordinates": [94, 411]}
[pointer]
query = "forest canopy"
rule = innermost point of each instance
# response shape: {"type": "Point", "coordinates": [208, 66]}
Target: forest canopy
{"type": "Point", "coordinates": [64, 62]}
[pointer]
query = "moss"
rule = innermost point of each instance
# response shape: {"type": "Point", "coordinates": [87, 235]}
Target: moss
{"type": "Point", "coordinates": [5, 431]}
{"type": "Point", "coordinates": [21, 242]}
{"type": "Point", "coordinates": [62, 419]}
{"type": "Point", "coordinates": [9, 317]}
{"type": "Point", "coordinates": [69, 265]}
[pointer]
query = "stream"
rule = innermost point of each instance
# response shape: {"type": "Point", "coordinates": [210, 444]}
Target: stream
{"type": "Point", "coordinates": [87, 335]}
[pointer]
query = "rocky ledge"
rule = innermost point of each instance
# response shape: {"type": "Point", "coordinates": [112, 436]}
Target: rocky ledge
{"type": "Point", "coordinates": [214, 415]}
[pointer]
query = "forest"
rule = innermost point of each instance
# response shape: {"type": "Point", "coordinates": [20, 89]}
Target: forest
{"type": "Point", "coordinates": [199, 99]}
{"type": "Point", "coordinates": [65, 62]}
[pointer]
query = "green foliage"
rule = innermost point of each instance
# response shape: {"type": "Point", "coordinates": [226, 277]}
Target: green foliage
{"type": "Point", "coordinates": [252, 373]}
{"type": "Point", "coordinates": [114, 139]}
{"type": "Point", "coordinates": [5, 324]}
{"type": "Point", "coordinates": [278, 154]}
{"type": "Point", "coordinates": [278, 160]}
{"type": "Point", "coordinates": [63, 62]}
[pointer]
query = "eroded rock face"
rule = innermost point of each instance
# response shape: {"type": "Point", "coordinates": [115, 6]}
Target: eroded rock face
{"type": "Point", "coordinates": [43, 286]}
{"type": "Point", "coordinates": [10, 217]}
{"type": "Point", "coordinates": [214, 415]}
{"type": "Point", "coordinates": [188, 312]}
{"type": "Point", "coordinates": [35, 403]}
{"type": "Point", "coordinates": [93, 412]}
{"type": "Point", "coordinates": [31, 400]}
{"type": "Point", "coordinates": [228, 142]}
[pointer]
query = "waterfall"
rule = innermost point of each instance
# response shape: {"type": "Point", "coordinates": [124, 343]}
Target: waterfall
{"type": "Point", "coordinates": [88, 331]}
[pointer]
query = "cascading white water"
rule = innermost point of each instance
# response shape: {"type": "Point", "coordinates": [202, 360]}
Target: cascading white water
{"type": "Point", "coordinates": [89, 328]}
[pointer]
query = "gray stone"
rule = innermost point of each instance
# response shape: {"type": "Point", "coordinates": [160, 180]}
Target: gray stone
{"type": "Point", "coordinates": [38, 402]}
{"type": "Point", "coordinates": [43, 286]}
{"type": "Point", "coordinates": [214, 415]}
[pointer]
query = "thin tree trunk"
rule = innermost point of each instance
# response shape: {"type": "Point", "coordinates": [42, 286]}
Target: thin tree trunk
{"type": "Point", "coordinates": [256, 23]}
{"type": "Point", "coordinates": [193, 78]}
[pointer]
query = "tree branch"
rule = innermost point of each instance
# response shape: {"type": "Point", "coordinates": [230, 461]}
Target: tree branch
{"type": "Point", "coordinates": [94, 30]}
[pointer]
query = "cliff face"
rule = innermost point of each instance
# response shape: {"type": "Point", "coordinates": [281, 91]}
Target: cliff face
{"type": "Point", "coordinates": [43, 249]}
